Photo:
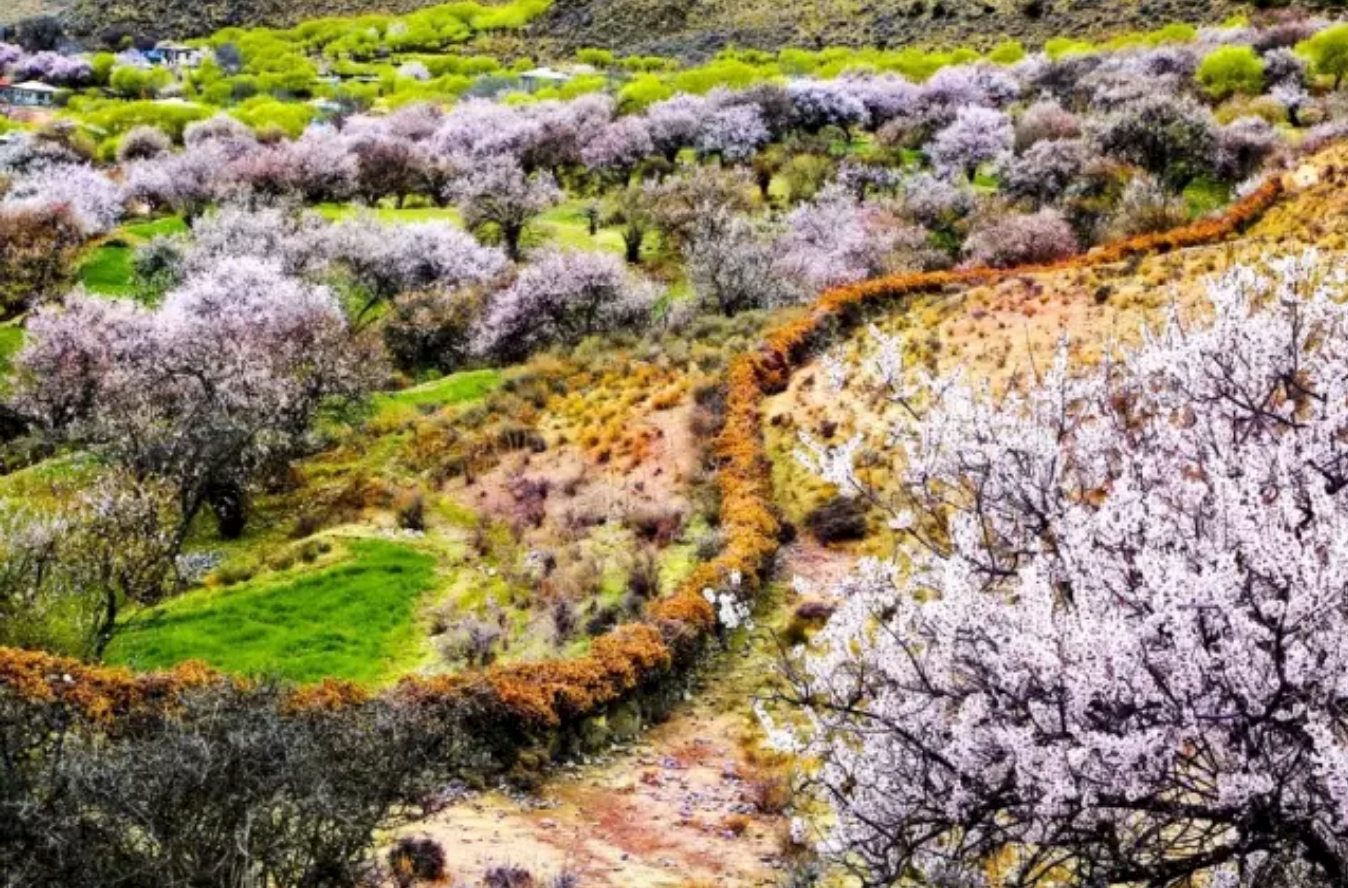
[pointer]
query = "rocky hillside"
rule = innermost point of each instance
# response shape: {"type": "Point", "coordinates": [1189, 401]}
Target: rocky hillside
{"type": "Point", "coordinates": [698, 27]}
{"type": "Point", "coordinates": [185, 18]}
{"type": "Point", "coordinates": [689, 28]}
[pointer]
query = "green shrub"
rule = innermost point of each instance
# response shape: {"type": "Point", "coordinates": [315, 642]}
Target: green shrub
{"type": "Point", "coordinates": [1230, 70]}
{"type": "Point", "coordinates": [1327, 52]}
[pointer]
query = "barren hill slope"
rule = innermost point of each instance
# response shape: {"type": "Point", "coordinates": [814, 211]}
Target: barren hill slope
{"type": "Point", "coordinates": [689, 28]}
{"type": "Point", "coordinates": [696, 27]}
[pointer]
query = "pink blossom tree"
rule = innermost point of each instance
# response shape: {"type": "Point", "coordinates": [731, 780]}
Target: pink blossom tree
{"type": "Point", "coordinates": [220, 128]}
{"type": "Point", "coordinates": [561, 298]}
{"type": "Point", "coordinates": [54, 68]}
{"type": "Point", "coordinates": [296, 241]}
{"type": "Point", "coordinates": [976, 136]}
{"type": "Point", "coordinates": [835, 240]}
{"type": "Point", "coordinates": [10, 53]}
{"type": "Point", "coordinates": [887, 98]}
{"type": "Point", "coordinates": [1045, 121]}
{"type": "Point", "coordinates": [1243, 146]}
{"type": "Point", "coordinates": [732, 134]}
{"type": "Point", "coordinates": [320, 166]}
{"type": "Point", "coordinates": [732, 265]}
{"type": "Point", "coordinates": [383, 260]}
{"type": "Point", "coordinates": [184, 183]}
{"type": "Point", "coordinates": [499, 200]}
{"type": "Point", "coordinates": [143, 143]}
{"type": "Point", "coordinates": [94, 201]}
{"type": "Point", "coordinates": [387, 166]}
{"type": "Point", "coordinates": [219, 383]}
{"type": "Point", "coordinates": [480, 129]}
{"type": "Point", "coordinates": [616, 149]}
{"type": "Point", "coordinates": [1021, 239]}
{"type": "Point", "coordinates": [823, 103]}
{"type": "Point", "coordinates": [674, 123]}
{"type": "Point", "coordinates": [1114, 651]}
{"type": "Point", "coordinates": [1044, 172]}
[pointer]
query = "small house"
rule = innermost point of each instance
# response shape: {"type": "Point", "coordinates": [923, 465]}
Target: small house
{"type": "Point", "coordinates": [31, 94]}
{"type": "Point", "coordinates": [542, 78]}
{"type": "Point", "coordinates": [178, 55]}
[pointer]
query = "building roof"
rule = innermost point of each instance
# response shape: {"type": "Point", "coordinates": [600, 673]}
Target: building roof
{"type": "Point", "coordinates": [545, 74]}
{"type": "Point", "coordinates": [34, 86]}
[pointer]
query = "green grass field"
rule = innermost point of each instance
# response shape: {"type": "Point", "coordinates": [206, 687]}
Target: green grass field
{"type": "Point", "coordinates": [11, 340]}
{"type": "Point", "coordinates": [457, 388]}
{"type": "Point", "coordinates": [107, 269]}
{"type": "Point", "coordinates": [108, 272]}
{"type": "Point", "coordinates": [355, 619]}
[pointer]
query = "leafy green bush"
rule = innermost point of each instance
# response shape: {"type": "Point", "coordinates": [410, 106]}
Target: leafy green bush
{"type": "Point", "coordinates": [1230, 70]}
{"type": "Point", "coordinates": [1327, 52]}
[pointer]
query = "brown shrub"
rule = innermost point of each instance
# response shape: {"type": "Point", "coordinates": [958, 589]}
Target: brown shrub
{"type": "Point", "coordinates": [840, 519]}
{"type": "Point", "coordinates": [38, 248]}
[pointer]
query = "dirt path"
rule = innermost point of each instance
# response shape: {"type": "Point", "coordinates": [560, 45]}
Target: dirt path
{"type": "Point", "coordinates": [681, 807]}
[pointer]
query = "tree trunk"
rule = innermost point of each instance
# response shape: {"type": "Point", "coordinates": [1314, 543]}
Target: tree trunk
{"type": "Point", "coordinates": [229, 502]}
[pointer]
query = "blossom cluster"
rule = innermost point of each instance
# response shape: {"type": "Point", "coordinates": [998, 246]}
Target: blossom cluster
{"type": "Point", "coordinates": [1115, 644]}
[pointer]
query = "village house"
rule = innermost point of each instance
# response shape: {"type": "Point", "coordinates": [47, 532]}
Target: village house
{"type": "Point", "coordinates": [178, 55]}
{"type": "Point", "coordinates": [542, 78]}
{"type": "Point", "coordinates": [30, 94]}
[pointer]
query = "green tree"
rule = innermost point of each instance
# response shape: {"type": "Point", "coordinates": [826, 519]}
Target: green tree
{"type": "Point", "coordinates": [139, 83]}
{"type": "Point", "coordinates": [1327, 52]}
{"type": "Point", "coordinates": [1230, 70]}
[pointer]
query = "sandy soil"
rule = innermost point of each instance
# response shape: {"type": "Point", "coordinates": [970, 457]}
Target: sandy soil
{"type": "Point", "coordinates": [674, 809]}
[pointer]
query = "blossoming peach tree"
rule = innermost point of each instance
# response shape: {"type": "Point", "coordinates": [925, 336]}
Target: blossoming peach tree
{"type": "Point", "coordinates": [1112, 648]}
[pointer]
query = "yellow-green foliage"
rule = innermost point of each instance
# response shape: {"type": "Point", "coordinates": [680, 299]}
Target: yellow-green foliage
{"type": "Point", "coordinates": [116, 118]}
{"type": "Point", "coordinates": [1173, 33]}
{"type": "Point", "coordinates": [1327, 52]}
{"type": "Point", "coordinates": [265, 114]}
{"type": "Point", "coordinates": [1232, 69]}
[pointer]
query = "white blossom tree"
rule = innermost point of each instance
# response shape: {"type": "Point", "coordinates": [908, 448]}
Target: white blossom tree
{"type": "Point", "coordinates": [93, 200]}
{"type": "Point", "coordinates": [976, 136]}
{"type": "Point", "coordinates": [219, 383]}
{"type": "Point", "coordinates": [499, 199]}
{"type": "Point", "coordinates": [1113, 650]}
{"type": "Point", "coordinates": [561, 298]}
{"type": "Point", "coordinates": [835, 240]}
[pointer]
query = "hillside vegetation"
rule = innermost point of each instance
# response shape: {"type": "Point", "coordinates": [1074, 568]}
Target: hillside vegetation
{"type": "Point", "coordinates": [380, 423]}
{"type": "Point", "coordinates": [678, 27]}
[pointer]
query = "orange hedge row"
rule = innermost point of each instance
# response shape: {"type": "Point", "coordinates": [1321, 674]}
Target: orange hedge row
{"type": "Point", "coordinates": [548, 695]}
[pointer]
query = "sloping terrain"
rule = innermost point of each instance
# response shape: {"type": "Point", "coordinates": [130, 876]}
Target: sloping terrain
{"type": "Point", "coordinates": [18, 10]}
{"type": "Point", "coordinates": [190, 18]}
{"type": "Point", "coordinates": [656, 814]}
{"type": "Point", "coordinates": [700, 27]}
{"type": "Point", "coordinates": [684, 28]}
{"type": "Point", "coordinates": [1010, 330]}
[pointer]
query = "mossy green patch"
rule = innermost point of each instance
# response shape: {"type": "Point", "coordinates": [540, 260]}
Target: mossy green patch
{"type": "Point", "coordinates": [108, 271]}
{"type": "Point", "coordinates": [11, 341]}
{"type": "Point", "coordinates": [457, 388]}
{"type": "Point", "coordinates": [335, 212]}
{"type": "Point", "coordinates": [354, 620]}
{"type": "Point", "coordinates": [156, 228]}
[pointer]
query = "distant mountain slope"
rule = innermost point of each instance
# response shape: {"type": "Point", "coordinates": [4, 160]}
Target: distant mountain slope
{"type": "Point", "coordinates": [190, 18]}
{"type": "Point", "coordinates": [18, 10]}
{"type": "Point", "coordinates": [685, 27]}
{"type": "Point", "coordinates": [680, 27]}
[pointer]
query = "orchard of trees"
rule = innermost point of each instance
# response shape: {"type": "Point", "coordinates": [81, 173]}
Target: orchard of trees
{"type": "Point", "coordinates": [266, 316]}
{"type": "Point", "coordinates": [1115, 654]}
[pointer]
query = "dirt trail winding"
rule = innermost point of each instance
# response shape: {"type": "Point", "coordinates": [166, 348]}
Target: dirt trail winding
{"type": "Point", "coordinates": [676, 808]}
